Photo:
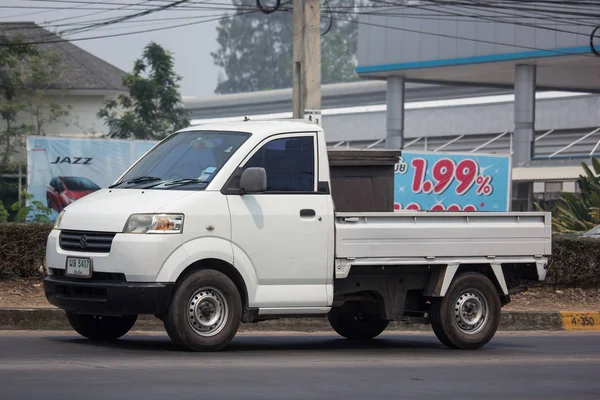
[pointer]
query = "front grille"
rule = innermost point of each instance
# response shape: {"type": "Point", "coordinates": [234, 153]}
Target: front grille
{"type": "Point", "coordinates": [96, 276]}
{"type": "Point", "coordinates": [84, 293]}
{"type": "Point", "coordinates": [88, 242]}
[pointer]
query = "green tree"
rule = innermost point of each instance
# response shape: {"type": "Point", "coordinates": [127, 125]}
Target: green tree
{"type": "Point", "coordinates": [152, 109]}
{"type": "Point", "coordinates": [27, 74]}
{"type": "Point", "coordinates": [577, 214]}
{"type": "Point", "coordinates": [45, 71]}
{"type": "Point", "coordinates": [13, 58]}
{"type": "Point", "coordinates": [255, 49]}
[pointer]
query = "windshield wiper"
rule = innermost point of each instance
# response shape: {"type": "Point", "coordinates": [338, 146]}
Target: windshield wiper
{"type": "Point", "coordinates": [139, 179]}
{"type": "Point", "coordinates": [184, 181]}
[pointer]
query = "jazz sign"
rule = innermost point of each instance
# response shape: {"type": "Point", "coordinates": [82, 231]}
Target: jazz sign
{"type": "Point", "coordinates": [452, 182]}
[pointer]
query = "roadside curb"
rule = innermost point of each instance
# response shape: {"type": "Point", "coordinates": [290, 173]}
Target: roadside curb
{"type": "Point", "coordinates": [55, 319]}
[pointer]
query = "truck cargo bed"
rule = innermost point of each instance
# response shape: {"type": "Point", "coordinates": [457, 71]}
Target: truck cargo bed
{"type": "Point", "coordinates": [442, 234]}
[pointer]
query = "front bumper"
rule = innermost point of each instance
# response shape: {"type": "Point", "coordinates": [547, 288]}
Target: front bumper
{"type": "Point", "coordinates": [107, 298]}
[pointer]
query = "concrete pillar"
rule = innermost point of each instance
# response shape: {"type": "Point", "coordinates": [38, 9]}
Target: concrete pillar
{"type": "Point", "coordinates": [395, 113]}
{"type": "Point", "coordinates": [525, 78]}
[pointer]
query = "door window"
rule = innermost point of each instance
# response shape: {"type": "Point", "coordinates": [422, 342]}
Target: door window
{"type": "Point", "coordinates": [289, 163]}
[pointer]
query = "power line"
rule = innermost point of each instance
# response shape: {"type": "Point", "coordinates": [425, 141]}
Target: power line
{"type": "Point", "coordinates": [496, 20]}
{"type": "Point", "coordinates": [127, 17]}
{"type": "Point", "coordinates": [479, 17]}
{"type": "Point", "coordinates": [81, 26]}
{"type": "Point", "coordinates": [558, 52]}
{"type": "Point", "coordinates": [547, 12]}
{"type": "Point", "coordinates": [61, 40]}
{"type": "Point", "coordinates": [493, 6]}
{"type": "Point", "coordinates": [42, 12]}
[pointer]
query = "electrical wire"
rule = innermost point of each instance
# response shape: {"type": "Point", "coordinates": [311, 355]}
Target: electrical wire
{"type": "Point", "coordinates": [268, 10]}
{"type": "Point", "coordinates": [45, 11]}
{"type": "Point", "coordinates": [477, 17]}
{"type": "Point", "coordinates": [592, 37]}
{"type": "Point", "coordinates": [501, 21]}
{"type": "Point", "coordinates": [61, 40]}
{"type": "Point", "coordinates": [330, 19]}
{"type": "Point", "coordinates": [558, 52]}
{"type": "Point", "coordinates": [126, 17]}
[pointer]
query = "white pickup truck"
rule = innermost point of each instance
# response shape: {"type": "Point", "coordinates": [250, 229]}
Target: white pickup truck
{"type": "Point", "coordinates": [232, 223]}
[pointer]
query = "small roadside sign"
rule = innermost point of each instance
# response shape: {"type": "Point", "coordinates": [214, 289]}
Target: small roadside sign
{"type": "Point", "coordinates": [313, 116]}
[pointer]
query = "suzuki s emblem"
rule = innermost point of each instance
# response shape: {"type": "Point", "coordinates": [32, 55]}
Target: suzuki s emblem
{"type": "Point", "coordinates": [83, 241]}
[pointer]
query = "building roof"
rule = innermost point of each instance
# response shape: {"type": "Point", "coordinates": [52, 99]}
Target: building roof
{"type": "Point", "coordinates": [334, 95]}
{"type": "Point", "coordinates": [82, 70]}
{"type": "Point", "coordinates": [426, 45]}
{"type": "Point", "coordinates": [544, 174]}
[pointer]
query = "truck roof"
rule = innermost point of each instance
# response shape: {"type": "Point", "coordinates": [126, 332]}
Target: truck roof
{"type": "Point", "coordinates": [259, 127]}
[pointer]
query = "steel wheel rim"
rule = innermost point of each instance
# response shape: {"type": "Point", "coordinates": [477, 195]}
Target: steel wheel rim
{"type": "Point", "coordinates": [470, 311]}
{"type": "Point", "coordinates": [207, 312]}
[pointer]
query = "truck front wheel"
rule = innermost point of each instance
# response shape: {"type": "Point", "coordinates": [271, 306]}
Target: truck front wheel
{"type": "Point", "coordinates": [350, 322]}
{"type": "Point", "coordinates": [101, 328]}
{"type": "Point", "coordinates": [205, 312]}
{"type": "Point", "coordinates": [469, 315]}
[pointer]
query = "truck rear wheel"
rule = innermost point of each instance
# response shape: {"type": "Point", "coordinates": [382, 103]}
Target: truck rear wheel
{"type": "Point", "coordinates": [469, 315]}
{"type": "Point", "coordinates": [205, 312]}
{"type": "Point", "coordinates": [350, 322]}
{"type": "Point", "coordinates": [101, 328]}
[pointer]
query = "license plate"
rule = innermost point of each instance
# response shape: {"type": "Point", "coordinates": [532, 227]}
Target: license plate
{"type": "Point", "coordinates": [79, 267]}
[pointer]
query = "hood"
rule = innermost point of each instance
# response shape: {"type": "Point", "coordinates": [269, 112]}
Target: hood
{"type": "Point", "coordinates": [107, 210]}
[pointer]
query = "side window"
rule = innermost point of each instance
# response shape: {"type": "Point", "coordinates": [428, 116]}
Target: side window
{"type": "Point", "coordinates": [289, 162]}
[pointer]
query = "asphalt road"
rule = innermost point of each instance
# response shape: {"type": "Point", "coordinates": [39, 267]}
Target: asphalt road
{"type": "Point", "coordinates": [46, 365]}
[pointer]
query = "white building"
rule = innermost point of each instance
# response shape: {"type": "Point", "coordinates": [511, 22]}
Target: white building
{"type": "Point", "coordinates": [83, 86]}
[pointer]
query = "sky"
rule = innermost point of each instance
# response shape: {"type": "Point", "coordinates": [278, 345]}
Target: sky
{"type": "Point", "coordinates": [191, 45]}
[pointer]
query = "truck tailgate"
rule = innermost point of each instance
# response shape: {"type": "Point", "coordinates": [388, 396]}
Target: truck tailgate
{"type": "Point", "coordinates": [447, 234]}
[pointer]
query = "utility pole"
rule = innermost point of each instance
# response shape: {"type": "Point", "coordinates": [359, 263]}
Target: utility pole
{"type": "Point", "coordinates": [307, 59]}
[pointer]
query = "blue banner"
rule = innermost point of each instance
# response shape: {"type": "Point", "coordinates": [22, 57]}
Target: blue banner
{"type": "Point", "coordinates": [452, 182]}
{"type": "Point", "coordinates": [62, 170]}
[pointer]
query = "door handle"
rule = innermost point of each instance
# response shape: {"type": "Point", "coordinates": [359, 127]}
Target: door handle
{"type": "Point", "coordinates": [307, 212]}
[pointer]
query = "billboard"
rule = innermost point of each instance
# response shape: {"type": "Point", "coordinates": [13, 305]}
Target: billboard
{"type": "Point", "coordinates": [452, 182]}
{"type": "Point", "coordinates": [62, 170]}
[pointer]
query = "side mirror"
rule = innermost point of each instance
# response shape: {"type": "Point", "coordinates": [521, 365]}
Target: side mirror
{"type": "Point", "coordinates": [254, 180]}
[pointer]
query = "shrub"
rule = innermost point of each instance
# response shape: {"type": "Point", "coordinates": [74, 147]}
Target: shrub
{"type": "Point", "coordinates": [22, 249]}
{"type": "Point", "coordinates": [579, 213]}
{"type": "Point", "coordinates": [575, 262]}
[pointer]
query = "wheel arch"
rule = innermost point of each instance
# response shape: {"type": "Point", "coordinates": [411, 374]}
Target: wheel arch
{"type": "Point", "coordinates": [222, 266]}
{"type": "Point", "coordinates": [442, 277]}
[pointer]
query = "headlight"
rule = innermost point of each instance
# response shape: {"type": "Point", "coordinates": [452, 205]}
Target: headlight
{"type": "Point", "coordinates": [58, 220]}
{"type": "Point", "coordinates": [154, 223]}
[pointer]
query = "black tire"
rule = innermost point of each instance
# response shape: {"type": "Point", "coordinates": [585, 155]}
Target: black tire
{"type": "Point", "coordinates": [348, 321]}
{"type": "Point", "coordinates": [101, 328]}
{"type": "Point", "coordinates": [195, 299]}
{"type": "Point", "coordinates": [463, 296]}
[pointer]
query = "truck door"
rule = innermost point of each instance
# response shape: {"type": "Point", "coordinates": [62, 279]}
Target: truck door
{"type": "Point", "coordinates": [285, 232]}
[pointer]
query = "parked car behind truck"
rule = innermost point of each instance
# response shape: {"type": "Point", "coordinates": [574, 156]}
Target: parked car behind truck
{"type": "Point", "coordinates": [234, 222]}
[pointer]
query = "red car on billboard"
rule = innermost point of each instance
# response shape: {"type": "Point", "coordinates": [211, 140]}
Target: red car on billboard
{"type": "Point", "coordinates": [63, 190]}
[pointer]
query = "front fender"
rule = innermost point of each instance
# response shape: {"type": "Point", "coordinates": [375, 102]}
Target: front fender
{"type": "Point", "coordinates": [202, 249]}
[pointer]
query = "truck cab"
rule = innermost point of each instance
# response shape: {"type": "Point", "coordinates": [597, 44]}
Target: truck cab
{"type": "Point", "coordinates": [226, 223]}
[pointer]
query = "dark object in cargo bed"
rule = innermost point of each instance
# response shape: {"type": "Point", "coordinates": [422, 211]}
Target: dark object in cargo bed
{"type": "Point", "coordinates": [362, 180]}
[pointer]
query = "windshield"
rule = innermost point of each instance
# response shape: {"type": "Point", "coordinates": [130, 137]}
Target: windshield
{"type": "Point", "coordinates": [195, 155]}
{"type": "Point", "coordinates": [79, 184]}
